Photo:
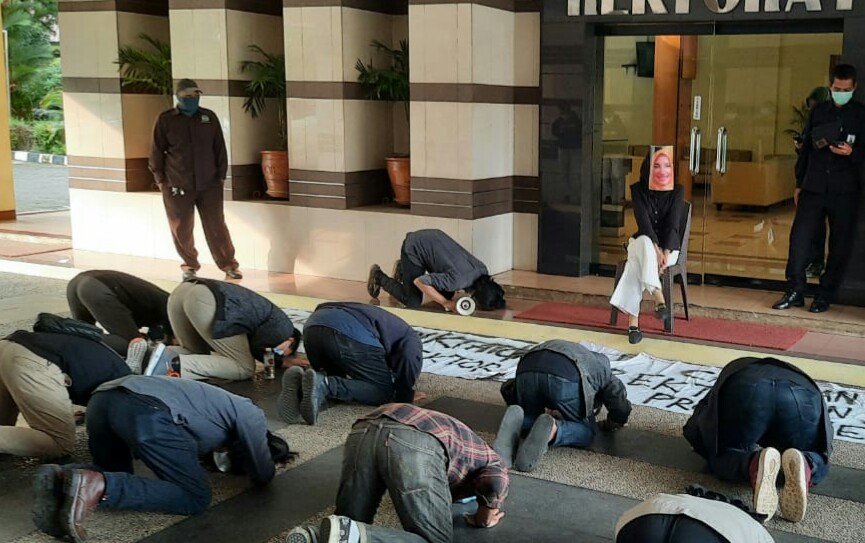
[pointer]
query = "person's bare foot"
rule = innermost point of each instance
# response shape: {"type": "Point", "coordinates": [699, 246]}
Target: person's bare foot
{"type": "Point", "coordinates": [554, 431]}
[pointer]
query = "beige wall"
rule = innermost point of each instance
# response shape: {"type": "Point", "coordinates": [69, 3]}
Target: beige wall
{"type": "Point", "coordinates": [322, 242]}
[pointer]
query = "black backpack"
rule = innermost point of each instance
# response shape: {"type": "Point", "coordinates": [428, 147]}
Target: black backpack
{"type": "Point", "coordinates": [55, 324]}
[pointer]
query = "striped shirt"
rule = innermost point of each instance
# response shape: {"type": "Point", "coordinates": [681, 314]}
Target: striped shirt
{"type": "Point", "coordinates": [470, 460]}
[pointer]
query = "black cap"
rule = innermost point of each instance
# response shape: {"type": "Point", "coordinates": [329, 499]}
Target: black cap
{"type": "Point", "coordinates": [186, 84]}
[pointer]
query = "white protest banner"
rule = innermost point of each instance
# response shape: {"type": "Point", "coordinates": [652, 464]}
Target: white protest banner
{"type": "Point", "coordinates": [651, 382]}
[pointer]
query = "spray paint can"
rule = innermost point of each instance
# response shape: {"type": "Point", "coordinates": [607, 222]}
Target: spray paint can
{"type": "Point", "coordinates": [269, 364]}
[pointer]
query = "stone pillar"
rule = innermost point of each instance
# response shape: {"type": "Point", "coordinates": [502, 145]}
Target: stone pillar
{"type": "Point", "coordinates": [209, 41]}
{"type": "Point", "coordinates": [108, 125]}
{"type": "Point", "coordinates": [338, 139]}
{"type": "Point", "coordinates": [7, 185]}
{"type": "Point", "coordinates": [474, 110]}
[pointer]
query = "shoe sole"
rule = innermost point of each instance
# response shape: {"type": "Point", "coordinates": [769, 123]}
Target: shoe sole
{"type": "Point", "coordinates": [508, 436]}
{"type": "Point", "coordinates": [135, 356]}
{"type": "Point", "coordinates": [73, 485]}
{"type": "Point", "coordinates": [535, 446]}
{"type": "Point", "coordinates": [765, 489]}
{"type": "Point", "coordinates": [794, 494]}
{"type": "Point", "coordinates": [154, 358]}
{"type": "Point", "coordinates": [299, 535]}
{"type": "Point", "coordinates": [373, 288]}
{"type": "Point", "coordinates": [310, 398]}
{"type": "Point", "coordinates": [289, 399]}
{"type": "Point", "coordinates": [47, 496]}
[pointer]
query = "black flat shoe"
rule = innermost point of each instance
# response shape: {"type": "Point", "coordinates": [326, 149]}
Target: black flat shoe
{"type": "Point", "coordinates": [662, 311]}
{"type": "Point", "coordinates": [634, 335]}
{"type": "Point", "coordinates": [819, 305]}
{"type": "Point", "coordinates": [791, 298]}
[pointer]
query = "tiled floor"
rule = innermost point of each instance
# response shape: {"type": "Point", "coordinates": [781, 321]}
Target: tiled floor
{"type": "Point", "coordinates": [717, 301]}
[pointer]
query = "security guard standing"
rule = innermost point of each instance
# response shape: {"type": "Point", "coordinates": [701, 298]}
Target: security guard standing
{"type": "Point", "coordinates": [828, 177]}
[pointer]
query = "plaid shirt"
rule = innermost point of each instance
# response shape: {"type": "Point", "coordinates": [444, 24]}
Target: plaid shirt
{"type": "Point", "coordinates": [470, 460]}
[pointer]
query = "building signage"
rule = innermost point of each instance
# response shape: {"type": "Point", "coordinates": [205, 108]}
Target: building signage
{"type": "Point", "coordinates": [719, 7]}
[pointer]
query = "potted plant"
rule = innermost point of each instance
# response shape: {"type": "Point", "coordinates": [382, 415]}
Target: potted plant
{"type": "Point", "coordinates": [268, 81]}
{"type": "Point", "coordinates": [145, 69]}
{"type": "Point", "coordinates": [391, 84]}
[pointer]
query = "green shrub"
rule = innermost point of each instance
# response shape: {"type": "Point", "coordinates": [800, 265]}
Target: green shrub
{"type": "Point", "coordinates": [21, 134]}
{"type": "Point", "coordinates": [49, 137]}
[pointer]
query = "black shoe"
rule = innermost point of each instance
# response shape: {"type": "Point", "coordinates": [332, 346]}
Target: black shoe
{"type": "Point", "coordinates": [790, 299]}
{"type": "Point", "coordinates": [662, 311]}
{"type": "Point", "coordinates": [634, 335]}
{"type": "Point", "coordinates": [814, 269]}
{"type": "Point", "coordinates": [819, 305]}
{"type": "Point", "coordinates": [372, 285]}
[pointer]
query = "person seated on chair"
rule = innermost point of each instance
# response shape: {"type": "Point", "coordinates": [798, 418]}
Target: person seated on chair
{"type": "Point", "coordinates": [756, 408]}
{"type": "Point", "coordinates": [357, 353]}
{"type": "Point", "coordinates": [168, 424]}
{"type": "Point", "coordinates": [223, 328]}
{"type": "Point", "coordinates": [571, 381]}
{"type": "Point", "coordinates": [432, 264]}
{"type": "Point", "coordinates": [683, 518]}
{"type": "Point", "coordinates": [425, 460]}
{"type": "Point", "coordinates": [657, 203]}
{"type": "Point", "coordinates": [122, 304]}
{"type": "Point", "coordinates": [41, 376]}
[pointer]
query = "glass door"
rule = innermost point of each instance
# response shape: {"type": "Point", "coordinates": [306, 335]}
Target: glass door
{"type": "Point", "coordinates": [758, 85]}
{"type": "Point", "coordinates": [732, 106]}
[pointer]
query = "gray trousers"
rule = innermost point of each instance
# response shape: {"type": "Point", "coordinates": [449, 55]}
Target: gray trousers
{"type": "Point", "coordinates": [412, 466]}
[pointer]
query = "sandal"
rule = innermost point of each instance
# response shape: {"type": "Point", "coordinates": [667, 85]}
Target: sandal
{"type": "Point", "coordinates": [662, 311]}
{"type": "Point", "coordinates": [634, 335]}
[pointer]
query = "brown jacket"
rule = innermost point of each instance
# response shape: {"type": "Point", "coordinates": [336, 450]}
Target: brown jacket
{"type": "Point", "coordinates": [188, 152]}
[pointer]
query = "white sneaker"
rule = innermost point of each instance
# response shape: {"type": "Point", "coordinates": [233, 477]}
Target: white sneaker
{"type": "Point", "coordinates": [794, 494]}
{"type": "Point", "coordinates": [765, 482]}
{"type": "Point", "coordinates": [135, 354]}
{"type": "Point", "coordinates": [337, 529]}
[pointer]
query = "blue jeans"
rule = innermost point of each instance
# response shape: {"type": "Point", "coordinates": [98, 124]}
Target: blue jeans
{"type": "Point", "coordinates": [770, 407]}
{"type": "Point", "coordinates": [121, 426]}
{"type": "Point", "coordinates": [355, 372]}
{"type": "Point", "coordinates": [535, 392]}
{"type": "Point", "coordinates": [412, 466]}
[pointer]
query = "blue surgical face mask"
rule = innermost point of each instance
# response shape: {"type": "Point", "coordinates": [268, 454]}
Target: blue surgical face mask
{"type": "Point", "coordinates": [842, 98]}
{"type": "Point", "coordinates": [188, 105]}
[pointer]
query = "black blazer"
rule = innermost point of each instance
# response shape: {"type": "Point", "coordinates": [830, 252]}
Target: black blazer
{"type": "Point", "coordinates": [659, 215]}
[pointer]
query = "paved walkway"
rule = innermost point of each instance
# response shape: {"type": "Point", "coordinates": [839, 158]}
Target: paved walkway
{"type": "Point", "coordinates": [40, 187]}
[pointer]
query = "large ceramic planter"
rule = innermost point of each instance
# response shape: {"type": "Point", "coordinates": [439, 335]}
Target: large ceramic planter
{"type": "Point", "coordinates": [274, 165]}
{"type": "Point", "coordinates": [399, 172]}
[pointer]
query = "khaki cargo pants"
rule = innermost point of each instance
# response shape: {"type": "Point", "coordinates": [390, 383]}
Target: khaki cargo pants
{"type": "Point", "coordinates": [36, 388]}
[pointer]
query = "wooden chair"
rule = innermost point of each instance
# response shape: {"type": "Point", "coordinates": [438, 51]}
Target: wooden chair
{"type": "Point", "coordinates": [680, 269]}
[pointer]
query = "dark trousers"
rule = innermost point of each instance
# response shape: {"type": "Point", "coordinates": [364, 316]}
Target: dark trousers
{"type": "Point", "coordinates": [403, 288]}
{"type": "Point", "coordinates": [181, 219]}
{"type": "Point", "coordinates": [535, 392]}
{"type": "Point", "coordinates": [91, 301]}
{"type": "Point", "coordinates": [121, 426]}
{"type": "Point", "coordinates": [818, 246]}
{"type": "Point", "coordinates": [767, 406]}
{"type": "Point", "coordinates": [412, 466]}
{"type": "Point", "coordinates": [811, 214]}
{"type": "Point", "coordinates": [355, 372]}
{"type": "Point", "coordinates": [668, 529]}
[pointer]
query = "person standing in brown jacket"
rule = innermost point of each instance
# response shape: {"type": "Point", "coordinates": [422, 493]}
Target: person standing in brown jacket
{"type": "Point", "coordinates": [189, 162]}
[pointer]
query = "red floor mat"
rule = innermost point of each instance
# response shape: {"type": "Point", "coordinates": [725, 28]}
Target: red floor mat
{"type": "Point", "coordinates": [718, 330]}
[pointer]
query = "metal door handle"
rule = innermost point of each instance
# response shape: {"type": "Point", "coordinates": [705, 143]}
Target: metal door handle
{"type": "Point", "coordinates": [694, 158]}
{"type": "Point", "coordinates": [721, 154]}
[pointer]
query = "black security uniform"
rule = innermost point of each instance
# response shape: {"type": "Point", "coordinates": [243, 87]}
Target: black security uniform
{"type": "Point", "coordinates": [830, 186]}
